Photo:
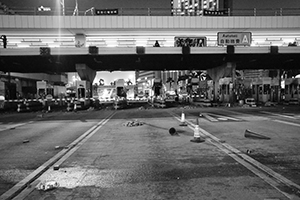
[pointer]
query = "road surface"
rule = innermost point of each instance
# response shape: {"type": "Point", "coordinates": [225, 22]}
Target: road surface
{"type": "Point", "coordinates": [93, 155]}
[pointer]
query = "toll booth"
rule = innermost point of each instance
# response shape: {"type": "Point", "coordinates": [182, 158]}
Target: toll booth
{"type": "Point", "coordinates": [83, 89]}
{"type": "Point", "coordinates": [157, 87]}
{"type": "Point", "coordinates": [194, 84]}
{"type": "Point", "coordinates": [44, 89]}
{"type": "Point", "coordinates": [130, 91]}
{"type": "Point", "coordinates": [226, 90]}
{"type": "Point", "coordinates": [120, 87]}
{"type": "Point", "coordinates": [292, 88]}
{"type": "Point", "coordinates": [265, 89]}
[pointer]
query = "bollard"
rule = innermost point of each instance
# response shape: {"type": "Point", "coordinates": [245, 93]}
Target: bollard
{"type": "Point", "coordinates": [182, 122]}
{"type": "Point", "coordinates": [197, 138]}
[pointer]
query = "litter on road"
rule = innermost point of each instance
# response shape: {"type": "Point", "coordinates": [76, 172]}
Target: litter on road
{"type": "Point", "coordinates": [47, 185]}
{"type": "Point", "coordinates": [133, 123]}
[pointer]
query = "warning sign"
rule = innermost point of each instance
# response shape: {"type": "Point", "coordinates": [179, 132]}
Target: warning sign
{"type": "Point", "coordinates": [234, 38]}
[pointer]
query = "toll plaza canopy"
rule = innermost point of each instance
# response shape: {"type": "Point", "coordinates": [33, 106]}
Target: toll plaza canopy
{"type": "Point", "coordinates": [149, 58]}
{"type": "Point", "coordinates": [54, 44]}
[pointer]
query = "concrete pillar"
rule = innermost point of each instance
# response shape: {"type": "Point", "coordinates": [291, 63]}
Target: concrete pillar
{"type": "Point", "coordinates": [86, 74]}
{"type": "Point", "coordinates": [80, 40]}
{"type": "Point", "coordinates": [226, 70]}
{"type": "Point", "coordinates": [157, 74]}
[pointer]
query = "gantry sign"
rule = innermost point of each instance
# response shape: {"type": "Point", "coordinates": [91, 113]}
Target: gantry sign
{"type": "Point", "coordinates": [234, 38]}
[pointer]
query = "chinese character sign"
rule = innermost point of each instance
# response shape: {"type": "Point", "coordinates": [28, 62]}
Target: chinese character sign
{"type": "Point", "coordinates": [192, 41]}
{"type": "Point", "coordinates": [234, 38]}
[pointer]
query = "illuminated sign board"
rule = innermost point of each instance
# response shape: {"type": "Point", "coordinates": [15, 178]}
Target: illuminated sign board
{"type": "Point", "coordinates": [191, 41]}
{"type": "Point", "coordinates": [215, 12]}
{"type": "Point", "coordinates": [107, 11]}
{"type": "Point", "coordinates": [234, 38]}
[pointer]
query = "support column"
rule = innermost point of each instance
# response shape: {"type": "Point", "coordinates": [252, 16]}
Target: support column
{"type": "Point", "coordinates": [86, 74]}
{"type": "Point", "coordinates": [157, 74]}
{"type": "Point", "coordinates": [226, 70]}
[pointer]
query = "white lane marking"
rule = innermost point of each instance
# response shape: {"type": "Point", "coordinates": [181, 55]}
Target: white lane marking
{"type": "Point", "coordinates": [222, 119]}
{"type": "Point", "coordinates": [18, 189]}
{"type": "Point", "coordinates": [284, 122]}
{"type": "Point", "coordinates": [276, 114]}
{"type": "Point", "coordinates": [262, 171]}
{"type": "Point", "coordinates": [226, 117]}
{"type": "Point", "coordinates": [207, 116]}
{"type": "Point", "coordinates": [10, 126]}
{"type": "Point", "coordinates": [214, 117]}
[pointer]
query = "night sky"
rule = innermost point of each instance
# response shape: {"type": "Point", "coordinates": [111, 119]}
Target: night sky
{"type": "Point", "coordinates": [85, 4]}
{"type": "Point", "coordinates": [100, 4]}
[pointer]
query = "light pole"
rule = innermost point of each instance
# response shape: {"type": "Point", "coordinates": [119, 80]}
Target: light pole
{"type": "Point", "coordinates": [62, 4]}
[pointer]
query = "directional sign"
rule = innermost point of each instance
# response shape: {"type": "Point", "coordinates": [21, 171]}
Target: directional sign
{"type": "Point", "coordinates": [234, 38]}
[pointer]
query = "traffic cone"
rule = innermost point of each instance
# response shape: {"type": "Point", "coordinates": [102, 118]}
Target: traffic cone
{"type": "Point", "coordinates": [173, 131]}
{"type": "Point", "coordinates": [197, 137]}
{"type": "Point", "coordinates": [250, 134]}
{"type": "Point", "coordinates": [182, 121]}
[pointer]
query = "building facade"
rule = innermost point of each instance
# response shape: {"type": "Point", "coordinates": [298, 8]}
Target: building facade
{"type": "Point", "coordinates": [193, 7]}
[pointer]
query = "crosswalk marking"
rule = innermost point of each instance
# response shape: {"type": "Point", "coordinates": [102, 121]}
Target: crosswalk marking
{"type": "Point", "coordinates": [216, 118]}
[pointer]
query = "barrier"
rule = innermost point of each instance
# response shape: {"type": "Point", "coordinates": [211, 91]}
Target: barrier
{"type": "Point", "coordinates": [197, 138]}
{"type": "Point", "coordinates": [182, 122]}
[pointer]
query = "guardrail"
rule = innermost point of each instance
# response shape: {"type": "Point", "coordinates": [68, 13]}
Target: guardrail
{"type": "Point", "coordinates": [69, 11]}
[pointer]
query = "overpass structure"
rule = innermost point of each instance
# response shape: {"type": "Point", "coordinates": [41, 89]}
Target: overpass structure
{"type": "Point", "coordinates": [118, 38]}
{"type": "Point", "coordinates": [55, 44]}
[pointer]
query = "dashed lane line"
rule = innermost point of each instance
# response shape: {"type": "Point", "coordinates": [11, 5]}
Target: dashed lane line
{"type": "Point", "coordinates": [63, 154]}
{"type": "Point", "coordinates": [207, 116]}
{"type": "Point", "coordinates": [226, 117]}
{"type": "Point", "coordinates": [268, 175]}
{"type": "Point", "coordinates": [288, 123]}
{"type": "Point", "coordinates": [215, 118]}
{"type": "Point", "coordinates": [280, 121]}
{"type": "Point", "coordinates": [280, 115]}
{"type": "Point", "coordinates": [9, 127]}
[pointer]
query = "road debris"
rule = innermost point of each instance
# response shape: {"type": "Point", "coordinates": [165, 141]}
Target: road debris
{"type": "Point", "coordinates": [47, 185]}
{"type": "Point", "coordinates": [173, 131]}
{"type": "Point", "coordinates": [253, 135]}
{"type": "Point", "coordinates": [133, 123]}
{"type": "Point", "coordinates": [56, 167]}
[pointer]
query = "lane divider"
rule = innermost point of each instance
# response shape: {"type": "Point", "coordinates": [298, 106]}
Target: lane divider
{"type": "Point", "coordinates": [274, 179]}
{"type": "Point", "coordinates": [276, 114]}
{"type": "Point", "coordinates": [26, 182]}
{"type": "Point", "coordinates": [288, 123]}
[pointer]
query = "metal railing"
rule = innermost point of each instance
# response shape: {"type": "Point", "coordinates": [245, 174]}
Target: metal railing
{"type": "Point", "coordinates": [154, 12]}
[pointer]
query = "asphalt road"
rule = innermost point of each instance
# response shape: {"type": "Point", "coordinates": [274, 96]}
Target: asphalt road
{"type": "Point", "coordinates": [145, 162]}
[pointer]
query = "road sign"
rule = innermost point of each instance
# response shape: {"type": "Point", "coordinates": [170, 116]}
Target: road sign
{"type": "Point", "coordinates": [234, 38]}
